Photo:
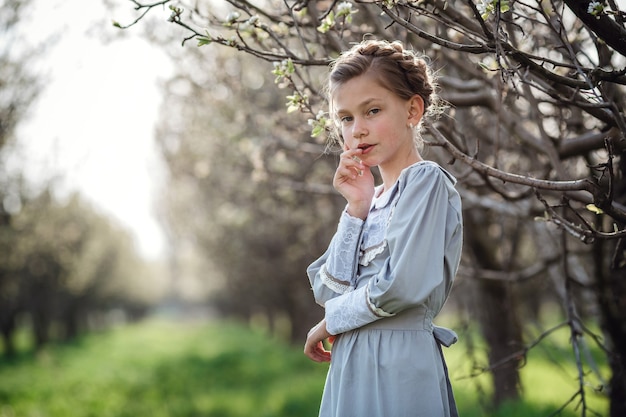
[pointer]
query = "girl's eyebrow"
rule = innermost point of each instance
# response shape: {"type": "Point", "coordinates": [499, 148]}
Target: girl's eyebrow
{"type": "Point", "coordinates": [364, 103]}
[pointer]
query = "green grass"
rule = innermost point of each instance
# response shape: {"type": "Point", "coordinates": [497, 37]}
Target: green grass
{"type": "Point", "coordinates": [162, 368]}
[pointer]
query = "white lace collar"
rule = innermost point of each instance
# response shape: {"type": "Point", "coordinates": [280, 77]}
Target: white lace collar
{"type": "Point", "coordinates": [383, 196]}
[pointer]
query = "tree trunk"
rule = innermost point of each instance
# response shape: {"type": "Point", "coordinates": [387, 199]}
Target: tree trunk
{"type": "Point", "coordinates": [496, 314]}
{"type": "Point", "coordinates": [303, 314]}
{"type": "Point", "coordinates": [612, 304]}
{"type": "Point", "coordinates": [501, 330]}
{"type": "Point", "coordinates": [8, 329]}
{"type": "Point", "coordinates": [71, 323]}
{"type": "Point", "coordinates": [611, 292]}
{"type": "Point", "coordinates": [40, 328]}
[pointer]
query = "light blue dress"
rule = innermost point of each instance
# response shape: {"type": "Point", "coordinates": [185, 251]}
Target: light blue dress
{"type": "Point", "coordinates": [381, 282]}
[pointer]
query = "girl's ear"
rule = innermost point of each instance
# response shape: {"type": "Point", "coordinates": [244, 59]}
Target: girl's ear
{"type": "Point", "coordinates": [416, 109]}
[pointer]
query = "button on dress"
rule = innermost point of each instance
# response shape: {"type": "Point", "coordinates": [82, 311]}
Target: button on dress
{"type": "Point", "coordinates": [382, 281]}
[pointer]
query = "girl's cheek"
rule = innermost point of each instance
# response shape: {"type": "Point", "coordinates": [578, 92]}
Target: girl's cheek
{"type": "Point", "coordinates": [346, 142]}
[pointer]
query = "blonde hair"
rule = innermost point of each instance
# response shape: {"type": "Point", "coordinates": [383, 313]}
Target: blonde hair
{"type": "Point", "coordinates": [399, 70]}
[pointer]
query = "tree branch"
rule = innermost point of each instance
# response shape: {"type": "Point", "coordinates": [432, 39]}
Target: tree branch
{"type": "Point", "coordinates": [574, 185]}
{"type": "Point", "coordinates": [602, 25]}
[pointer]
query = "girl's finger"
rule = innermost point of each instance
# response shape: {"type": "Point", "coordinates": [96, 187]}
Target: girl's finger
{"type": "Point", "coordinates": [322, 354]}
{"type": "Point", "coordinates": [317, 353]}
{"type": "Point", "coordinates": [352, 165]}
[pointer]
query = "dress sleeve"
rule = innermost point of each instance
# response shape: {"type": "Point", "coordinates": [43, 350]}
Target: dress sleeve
{"type": "Point", "coordinates": [334, 273]}
{"type": "Point", "coordinates": [416, 267]}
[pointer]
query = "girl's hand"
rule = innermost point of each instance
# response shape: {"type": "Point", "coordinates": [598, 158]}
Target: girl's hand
{"type": "Point", "coordinates": [354, 180]}
{"type": "Point", "coordinates": [313, 347]}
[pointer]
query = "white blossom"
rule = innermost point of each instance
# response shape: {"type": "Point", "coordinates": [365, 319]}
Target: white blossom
{"type": "Point", "coordinates": [595, 8]}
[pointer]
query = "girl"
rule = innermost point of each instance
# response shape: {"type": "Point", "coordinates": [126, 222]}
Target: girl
{"type": "Point", "coordinates": [390, 266]}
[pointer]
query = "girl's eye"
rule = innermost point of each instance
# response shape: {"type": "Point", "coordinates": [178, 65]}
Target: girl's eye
{"type": "Point", "coordinates": [374, 111]}
{"type": "Point", "coordinates": [345, 119]}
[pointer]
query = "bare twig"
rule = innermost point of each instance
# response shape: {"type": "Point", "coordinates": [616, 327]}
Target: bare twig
{"type": "Point", "coordinates": [139, 6]}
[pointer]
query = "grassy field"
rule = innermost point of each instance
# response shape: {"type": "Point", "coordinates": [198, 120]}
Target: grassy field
{"type": "Point", "coordinates": [161, 368]}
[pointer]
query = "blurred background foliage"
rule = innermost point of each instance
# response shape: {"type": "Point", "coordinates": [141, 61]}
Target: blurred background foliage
{"type": "Point", "coordinates": [65, 268]}
{"type": "Point", "coordinates": [247, 205]}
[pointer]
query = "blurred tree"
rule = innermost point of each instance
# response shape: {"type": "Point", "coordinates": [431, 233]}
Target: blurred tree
{"type": "Point", "coordinates": [103, 270]}
{"type": "Point", "coordinates": [235, 188]}
{"type": "Point", "coordinates": [59, 263]}
{"type": "Point", "coordinates": [69, 265]}
{"type": "Point", "coordinates": [18, 85]}
{"type": "Point", "coordinates": [18, 89]}
{"type": "Point", "coordinates": [535, 129]}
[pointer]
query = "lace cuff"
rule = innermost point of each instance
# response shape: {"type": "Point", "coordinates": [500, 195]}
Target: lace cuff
{"type": "Point", "coordinates": [348, 222]}
{"type": "Point", "coordinates": [351, 311]}
{"type": "Point", "coordinates": [379, 312]}
{"type": "Point", "coordinates": [342, 259]}
{"type": "Point", "coordinates": [336, 285]}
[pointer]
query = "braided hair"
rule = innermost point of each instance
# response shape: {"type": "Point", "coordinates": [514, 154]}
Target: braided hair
{"type": "Point", "coordinates": [397, 69]}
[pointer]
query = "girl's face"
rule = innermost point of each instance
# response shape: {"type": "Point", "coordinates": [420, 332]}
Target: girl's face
{"type": "Point", "coordinates": [377, 121]}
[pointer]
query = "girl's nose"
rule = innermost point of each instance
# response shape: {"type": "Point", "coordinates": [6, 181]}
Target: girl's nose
{"type": "Point", "coordinates": [358, 129]}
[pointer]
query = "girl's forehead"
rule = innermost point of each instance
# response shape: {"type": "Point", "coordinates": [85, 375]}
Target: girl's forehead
{"type": "Point", "coordinates": [359, 86]}
{"type": "Point", "coordinates": [357, 92]}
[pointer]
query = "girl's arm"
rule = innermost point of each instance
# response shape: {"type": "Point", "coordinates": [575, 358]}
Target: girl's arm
{"type": "Point", "coordinates": [426, 225]}
{"type": "Point", "coordinates": [314, 346]}
{"type": "Point", "coordinates": [334, 273]}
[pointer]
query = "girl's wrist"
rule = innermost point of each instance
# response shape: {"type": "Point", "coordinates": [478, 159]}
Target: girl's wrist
{"type": "Point", "coordinates": [358, 210]}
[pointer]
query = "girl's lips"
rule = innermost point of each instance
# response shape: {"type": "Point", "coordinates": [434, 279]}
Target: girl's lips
{"type": "Point", "coordinates": [365, 148]}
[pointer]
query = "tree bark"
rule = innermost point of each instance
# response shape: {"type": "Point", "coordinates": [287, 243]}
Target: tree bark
{"type": "Point", "coordinates": [612, 304]}
{"type": "Point", "coordinates": [497, 316]}
{"type": "Point", "coordinates": [611, 293]}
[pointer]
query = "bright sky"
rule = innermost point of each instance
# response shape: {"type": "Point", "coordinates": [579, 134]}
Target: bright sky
{"type": "Point", "coordinates": [94, 122]}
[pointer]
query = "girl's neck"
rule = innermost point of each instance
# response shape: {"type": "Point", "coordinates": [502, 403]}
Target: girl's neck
{"type": "Point", "coordinates": [390, 174]}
